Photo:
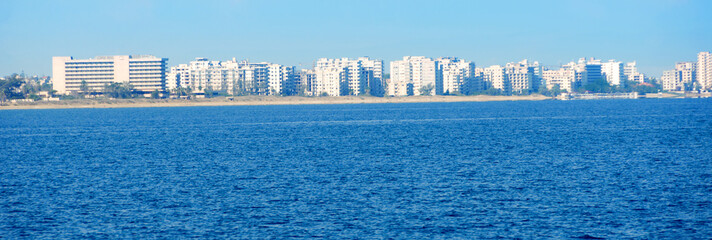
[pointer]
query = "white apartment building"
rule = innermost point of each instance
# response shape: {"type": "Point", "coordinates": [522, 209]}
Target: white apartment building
{"type": "Point", "coordinates": [178, 76]}
{"type": "Point", "coordinates": [363, 75]}
{"type": "Point", "coordinates": [145, 73]}
{"type": "Point", "coordinates": [563, 77]}
{"type": "Point", "coordinates": [306, 82]}
{"type": "Point", "coordinates": [704, 70]}
{"type": "Point", "coordinates": [414, 74]}
{"type": "Point", "coordinates": [458, 76]}
{"type": "Point", "coordinates": [521, 76]}
{"type": "Point", "coordinates": [495, 77]}
{"type": "Point", "coordinates": [331, 81]}
{"type": "Point", "coordinates": [234, 77]}
{"type": "Point", "coordinates": [280, 79]}
{"type": "Point", "coordinates": [613, 72]}
{"type": "Point", "coordinates": [374, 69]}
{"type": "Point", "coordinates": [670, 81]}
{"type": "Point", "coordinates": [681, 78]}
{"type": "Point", "coordinates": [630, 70]}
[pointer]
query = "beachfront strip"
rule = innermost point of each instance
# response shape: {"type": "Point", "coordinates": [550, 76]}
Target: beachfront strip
{"type": "Point", "coordinates": [412, 75]}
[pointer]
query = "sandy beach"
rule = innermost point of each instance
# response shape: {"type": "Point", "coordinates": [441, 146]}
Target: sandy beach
{"type": "Point", "coordinates": [255, 100]}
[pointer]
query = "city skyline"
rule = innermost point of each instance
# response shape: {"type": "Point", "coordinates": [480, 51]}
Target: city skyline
{"type": "Point", "coordinates": [298, 33]}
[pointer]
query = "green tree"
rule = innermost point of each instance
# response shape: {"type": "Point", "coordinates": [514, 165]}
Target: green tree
{"type": "Point", "coordinates": [119, 90]}
{"type": "Point", "coordinates": [84, 88]}
{"type": "Point", "coordinates": [426, 89]}
{"type": "Point", "coordinates": [597, 86]}
{"type": "Point", "coordinates": [555, 91]}
{"type": "Point", "coordinates": [155, 94]}
{"type": "Point", "coordinates": [10, 88]}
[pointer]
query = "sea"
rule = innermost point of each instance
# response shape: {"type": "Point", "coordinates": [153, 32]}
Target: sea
{"type": "Point", "coordinates": [587, 169]}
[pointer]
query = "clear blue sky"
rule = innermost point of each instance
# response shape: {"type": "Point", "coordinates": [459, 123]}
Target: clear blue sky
{"type": "Point", "coordinates": [655, 33]}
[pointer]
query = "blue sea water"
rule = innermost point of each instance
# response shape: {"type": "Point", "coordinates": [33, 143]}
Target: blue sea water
{"type": "Point", "coordinates": [611, 169]}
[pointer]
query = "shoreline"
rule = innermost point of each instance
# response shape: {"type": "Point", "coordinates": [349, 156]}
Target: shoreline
{"type": "Point", "coordinates": [259, 101]}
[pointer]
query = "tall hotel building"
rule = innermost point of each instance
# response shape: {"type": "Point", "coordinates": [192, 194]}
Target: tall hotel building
{"type": "Point", "coordinates": [144, 72]}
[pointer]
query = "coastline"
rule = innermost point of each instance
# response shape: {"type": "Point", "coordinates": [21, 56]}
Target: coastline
{"type": "Point", "coordinates": [259, 100]}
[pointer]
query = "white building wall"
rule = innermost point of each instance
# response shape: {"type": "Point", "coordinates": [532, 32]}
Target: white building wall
{"type": "Point", "coordinates": [417, 72]}
{"type": "Point", "coordinates": [704, 70]}
{"type": "Point", "coordinates": [363, 74]}
{"type": "Point", "coordinates": [59, 82]}
{"type": "Point", "coordinates": [458, 75]}
{"type": "Point", "coordinates": [401, 78]}
{"type": "Point", "coordinates": [233, 77]}
{"type": "Point", "coordinates": [630, 70]}
{"type": "Point", "coordinates": [613, 72]}
{"type": "Point", "coordinates": [144, 72]}
{"type": "Point", "coordinates": [330, 80]}
{"type": "Point", "coordinates": [495, 77]}
{"type": "Point", "coordinates": [307, 82]}
{"type": "Point", "coordinates": [670, 81]}
{"type": "Point", "coordinates": [520, 76]}
{"type": "Point", "coordinates": [681, 78]}
{"type": "Point", "coordinates": [564, 77]}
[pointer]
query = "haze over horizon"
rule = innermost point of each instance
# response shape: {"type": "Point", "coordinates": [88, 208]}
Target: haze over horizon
{"type": "Point", "coordinates": [656, 34]}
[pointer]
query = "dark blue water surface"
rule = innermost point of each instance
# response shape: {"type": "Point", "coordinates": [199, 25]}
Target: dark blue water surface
{"type": "Point", "coordinates": [545, 169]}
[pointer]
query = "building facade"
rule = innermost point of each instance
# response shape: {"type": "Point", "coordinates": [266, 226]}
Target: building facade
{"type": "Point", "coordinates": [680, 79]}
{"type": "Point", "coordinates": [233, 77]}
{"type": "Point", "coordinates": [145, 73]}
{"type": "Point", "coordinates": [458, 76]}
{"type": "Point", "coordinates": [630, 70]}
{"type": "Point", "coordinates": [495, 77]}
{"type": "Point", "coordinates": [704, 70]}
{"type": "Point", "coordinates": [521, 76]}
{"type": "Point", "coordinates": [361, 76]}
{"type": "Point", "coordinates": [415, 75]}
{"type": "Point", "coordinates": [563, 77]}
{"type": "Point", "coordinates": [613, 72]}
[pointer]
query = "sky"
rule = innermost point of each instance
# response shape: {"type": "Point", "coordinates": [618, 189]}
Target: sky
{"type": "Point", "coordinates": [655, 33]}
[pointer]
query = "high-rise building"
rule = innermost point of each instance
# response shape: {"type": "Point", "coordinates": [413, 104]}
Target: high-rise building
{"type": "Point", "coordinates": [563, 77]}
{"type": "Point", "coordinates": [144, 73]}
{"type": "Point", "coordinates": [522, 76]}
{"type": "Point", "coordinates": [591, 71]}
{"type": "Point", "coordinates": [178, 76]}
{"type": "Point", "coordinates": [680, 79]}
{"type": "Point", "coordinates": [233, 77]}
{"type": "Point", "coordinates": [331, 81]}
{"type": "Point", "coordinates": [306, 82]}
{"type": "Point", "coordinates": [458, 76]}
{"type": "Point", "coordinates": [630, 70]}
{"type": "Point", "coordinates": [704, 70]}
{"type": "Point", "coordinates": [280, 79]}
{"type": "Point", "coordinates": [613, 72]}
{"type": "Point", "coordinates": [363, 75]}
{"type": "Point", "coordinates": [495, 77]}
{"type": "Point", "coordinates": [670, 81]}
{"type": "Point", "coordinates": [414, 76]}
